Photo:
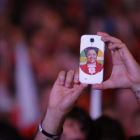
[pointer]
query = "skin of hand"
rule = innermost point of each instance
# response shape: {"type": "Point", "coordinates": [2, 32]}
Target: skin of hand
{"type": "Point", "coordinates": [63, 96]}
{"type": "Point", "coordinates": [66, 91]}
{"type": "Point", "coordinates": [125, 71]}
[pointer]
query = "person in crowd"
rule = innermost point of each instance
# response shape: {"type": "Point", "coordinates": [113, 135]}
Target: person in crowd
{"type": "Point", "coordinates": [78, 125]}
{"type": "Point", "coordinates": [106, 128]}
{"type": "Point", "coordinates": [135, 137]}
{"type": "Point", "coordinates": [67, 89]}
{"type": "Point", "coordinates": [8, 132]}
{"type": "Point", "coordinates": [92, 66]}
{"type": "Point", "coordinates": [135, 122]}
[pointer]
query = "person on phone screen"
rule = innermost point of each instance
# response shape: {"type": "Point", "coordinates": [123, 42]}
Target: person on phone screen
{"type": "Point", "coordinates": [92, 66]}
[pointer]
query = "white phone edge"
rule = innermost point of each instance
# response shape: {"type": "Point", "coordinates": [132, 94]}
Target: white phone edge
{"type": "Point", "coordinates": [98, 77]}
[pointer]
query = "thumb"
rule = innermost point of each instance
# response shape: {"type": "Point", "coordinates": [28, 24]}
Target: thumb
{"type": "Point", "coordinates": [105, 85]}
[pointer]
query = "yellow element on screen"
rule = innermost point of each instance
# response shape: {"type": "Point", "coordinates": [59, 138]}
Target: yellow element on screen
{"type": "Point", "coordinates": [100, 53]}
{"type": "Point", "coordinates": [83, 59]}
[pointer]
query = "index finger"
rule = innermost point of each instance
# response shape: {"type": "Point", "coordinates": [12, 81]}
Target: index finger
{"type": "Point", "coordinates": [107, 38]}
{"type": "Point", "coordinates": [102, 34]}
{"type": "Point", "coordinates": [76, 76]}
{"type": "Point", "coordinates": [111, 39]}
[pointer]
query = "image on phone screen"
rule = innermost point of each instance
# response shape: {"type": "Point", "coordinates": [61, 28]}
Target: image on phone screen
{"type": "Point", "coordinates": [91, 60]}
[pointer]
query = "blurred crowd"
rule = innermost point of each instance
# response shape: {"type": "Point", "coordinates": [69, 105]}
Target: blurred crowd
{"type": "Point", "coordinates": [47, 34]}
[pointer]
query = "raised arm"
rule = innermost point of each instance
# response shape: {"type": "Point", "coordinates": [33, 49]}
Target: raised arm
{"type": "Point", "coordinates": [125, 71]}
{"type": "Point", "coordinates": [64, 94]}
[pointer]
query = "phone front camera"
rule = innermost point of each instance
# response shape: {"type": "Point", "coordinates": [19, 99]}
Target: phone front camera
{"type": "Point", "coordinates": [92, 40]}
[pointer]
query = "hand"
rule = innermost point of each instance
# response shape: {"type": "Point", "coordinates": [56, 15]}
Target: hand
{"type": "Point", "coordinates": [126, 71]}
{"type": "Point", "coordinates": [64, 94]}
{"type": "Point", "coordinates": [66, 91]}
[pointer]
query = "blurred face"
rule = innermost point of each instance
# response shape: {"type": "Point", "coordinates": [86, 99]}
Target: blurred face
{"type": "Point", "coordinates": [91, 56]}
{"type": "Point", "coordinates": [71, 131]}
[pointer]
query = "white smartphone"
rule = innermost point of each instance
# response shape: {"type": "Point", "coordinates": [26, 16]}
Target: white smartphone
{"type": "Point", "coordinates": [91, 59]}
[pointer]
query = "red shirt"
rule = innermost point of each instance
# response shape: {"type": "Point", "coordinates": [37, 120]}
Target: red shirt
{"type": "Point", "coordinates": [85, 68]}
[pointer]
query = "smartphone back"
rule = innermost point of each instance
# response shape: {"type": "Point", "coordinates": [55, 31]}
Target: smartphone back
{"type": "Point", "coordinates": [91, 59]}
